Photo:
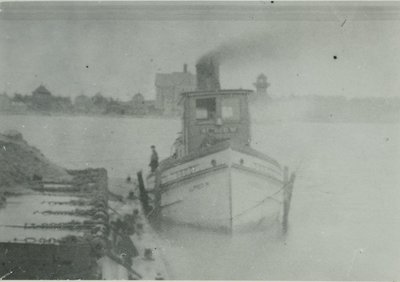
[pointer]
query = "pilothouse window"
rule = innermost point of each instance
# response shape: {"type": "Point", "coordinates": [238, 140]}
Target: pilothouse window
{"type": "Point", "coordinates": [206, 108]}
{"type": "Point", "coordinates": [231, 109]}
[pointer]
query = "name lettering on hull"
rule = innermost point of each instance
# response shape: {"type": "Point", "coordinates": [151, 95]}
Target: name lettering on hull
{"type": "Point", "coordinates": [200, 186]}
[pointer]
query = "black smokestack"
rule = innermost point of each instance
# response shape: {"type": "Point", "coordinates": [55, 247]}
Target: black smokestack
{"type": "Point", "coordinates": [207, 69]}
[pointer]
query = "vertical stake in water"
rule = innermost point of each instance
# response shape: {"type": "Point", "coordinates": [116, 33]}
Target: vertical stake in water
{"type": "Point", "coordinates": [157, 194]}
{"type": "Point", "coordinates": [144, 198]}
{"type": "Point", "coordinates": [287, 197]}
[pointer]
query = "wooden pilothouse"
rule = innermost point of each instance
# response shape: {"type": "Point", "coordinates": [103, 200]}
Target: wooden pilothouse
{"type": "Point", "coordinates": [214, 179]}
{"type": "Point", "coordinates": [210, 117]}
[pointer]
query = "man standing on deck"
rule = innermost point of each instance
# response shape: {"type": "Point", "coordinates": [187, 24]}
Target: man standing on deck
{"type": "Point", "coordinates": [154, 159]}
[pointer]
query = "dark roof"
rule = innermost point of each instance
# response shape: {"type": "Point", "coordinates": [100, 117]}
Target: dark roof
{"type": "Point", "coordinates": [138, 95]}
{"type": "Point", "coordinates": [42, 90]}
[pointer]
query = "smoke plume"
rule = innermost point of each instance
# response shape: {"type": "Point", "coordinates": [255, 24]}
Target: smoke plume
{"type": "Point", "coordinates": [247, 49]}
{"type": "Point", "coordinates": [237, 52]}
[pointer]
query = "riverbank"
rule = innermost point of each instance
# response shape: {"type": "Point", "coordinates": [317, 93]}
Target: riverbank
{"type": "Point", "coordinates": [151, 262]}
{"type": "Point", "coordinates": [61, 211]}
{"type": "Point", "coordinates": [21, 163]}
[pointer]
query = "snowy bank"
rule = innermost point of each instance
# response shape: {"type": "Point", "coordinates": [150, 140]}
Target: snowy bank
{"type": "Point", "coordinates": [21, 163]}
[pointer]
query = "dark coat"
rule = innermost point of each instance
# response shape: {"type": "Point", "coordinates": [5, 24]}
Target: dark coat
{"type": "Point", "coordinates": [154, 161]}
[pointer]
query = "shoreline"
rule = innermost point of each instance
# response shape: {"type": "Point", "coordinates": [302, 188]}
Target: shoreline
{"type": "Point", "coordinates": [89, 115]}
{"type": "Point", "coordinates": [255, 120]}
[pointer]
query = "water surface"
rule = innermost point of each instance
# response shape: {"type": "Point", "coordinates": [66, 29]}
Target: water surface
{"type": "Point", "coordinates": [345, 215]}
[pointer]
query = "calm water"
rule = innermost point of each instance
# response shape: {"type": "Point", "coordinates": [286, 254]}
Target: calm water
{"type": "Point", "coordinates": [345, 216]}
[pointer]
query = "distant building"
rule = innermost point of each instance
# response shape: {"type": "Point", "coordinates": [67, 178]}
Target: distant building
{"type": "Point", "coordinates": [261, 86]}
{"type": "Point", "coordinates": [19, 107]}
{"type": "Point", "coordinates": [83, 104]}
{"type": "Point", "coordinates": [100, 103]}
{"type": "Point", "coordinates": [138, 104]}
{"type": "Point", "coordinates": [41, 99]}
{"type": "Point", "coordinates": [151, 107]}
{"type": "Point", "coordinates": [117, 107]}
{"type": "Point", "coordinates": [169, 87]}
{"type": "Point", "coordinates": [61, 104]}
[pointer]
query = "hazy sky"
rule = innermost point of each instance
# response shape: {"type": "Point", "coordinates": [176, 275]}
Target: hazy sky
{"type": "Point", "coordinates": [75, 48]}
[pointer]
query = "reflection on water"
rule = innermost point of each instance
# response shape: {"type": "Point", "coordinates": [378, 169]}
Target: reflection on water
{"type": "Point", "coordinates": [344, 219]}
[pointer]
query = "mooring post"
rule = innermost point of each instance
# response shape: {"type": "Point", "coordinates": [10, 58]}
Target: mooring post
{"type": "Point", "coordinates": [144, 198]}
{"type": "Point", "coordinates": [157, 197]}
{"type": "Point", "coordinates": [157, 190]}
{"type": "Point", "coordinates": [288, 189]}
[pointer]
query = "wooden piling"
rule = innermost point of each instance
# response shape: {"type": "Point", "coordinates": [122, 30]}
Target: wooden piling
{"type": "Point", "coordinates": [287, 197]}
{"type": "Point", "coordinates": [157, 192]}
{"type": "Point", "coordinates": [144, 198]}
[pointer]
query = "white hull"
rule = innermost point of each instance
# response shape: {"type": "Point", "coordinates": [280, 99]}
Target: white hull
{"type": "Point", "coordinates": [237, 191]}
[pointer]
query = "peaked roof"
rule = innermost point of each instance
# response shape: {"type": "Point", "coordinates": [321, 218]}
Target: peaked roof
{"type": "Point", "coordinates": [42, 90]}
{"type": "Point", "coordinates": [138, 95]}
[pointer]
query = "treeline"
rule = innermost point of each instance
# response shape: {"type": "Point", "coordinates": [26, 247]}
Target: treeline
{"type": "Point", "coordinates": [45, 102]}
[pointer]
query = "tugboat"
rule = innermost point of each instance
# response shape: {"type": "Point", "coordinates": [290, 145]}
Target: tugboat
{"type": "Point", "coordinates": [214, 178]}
